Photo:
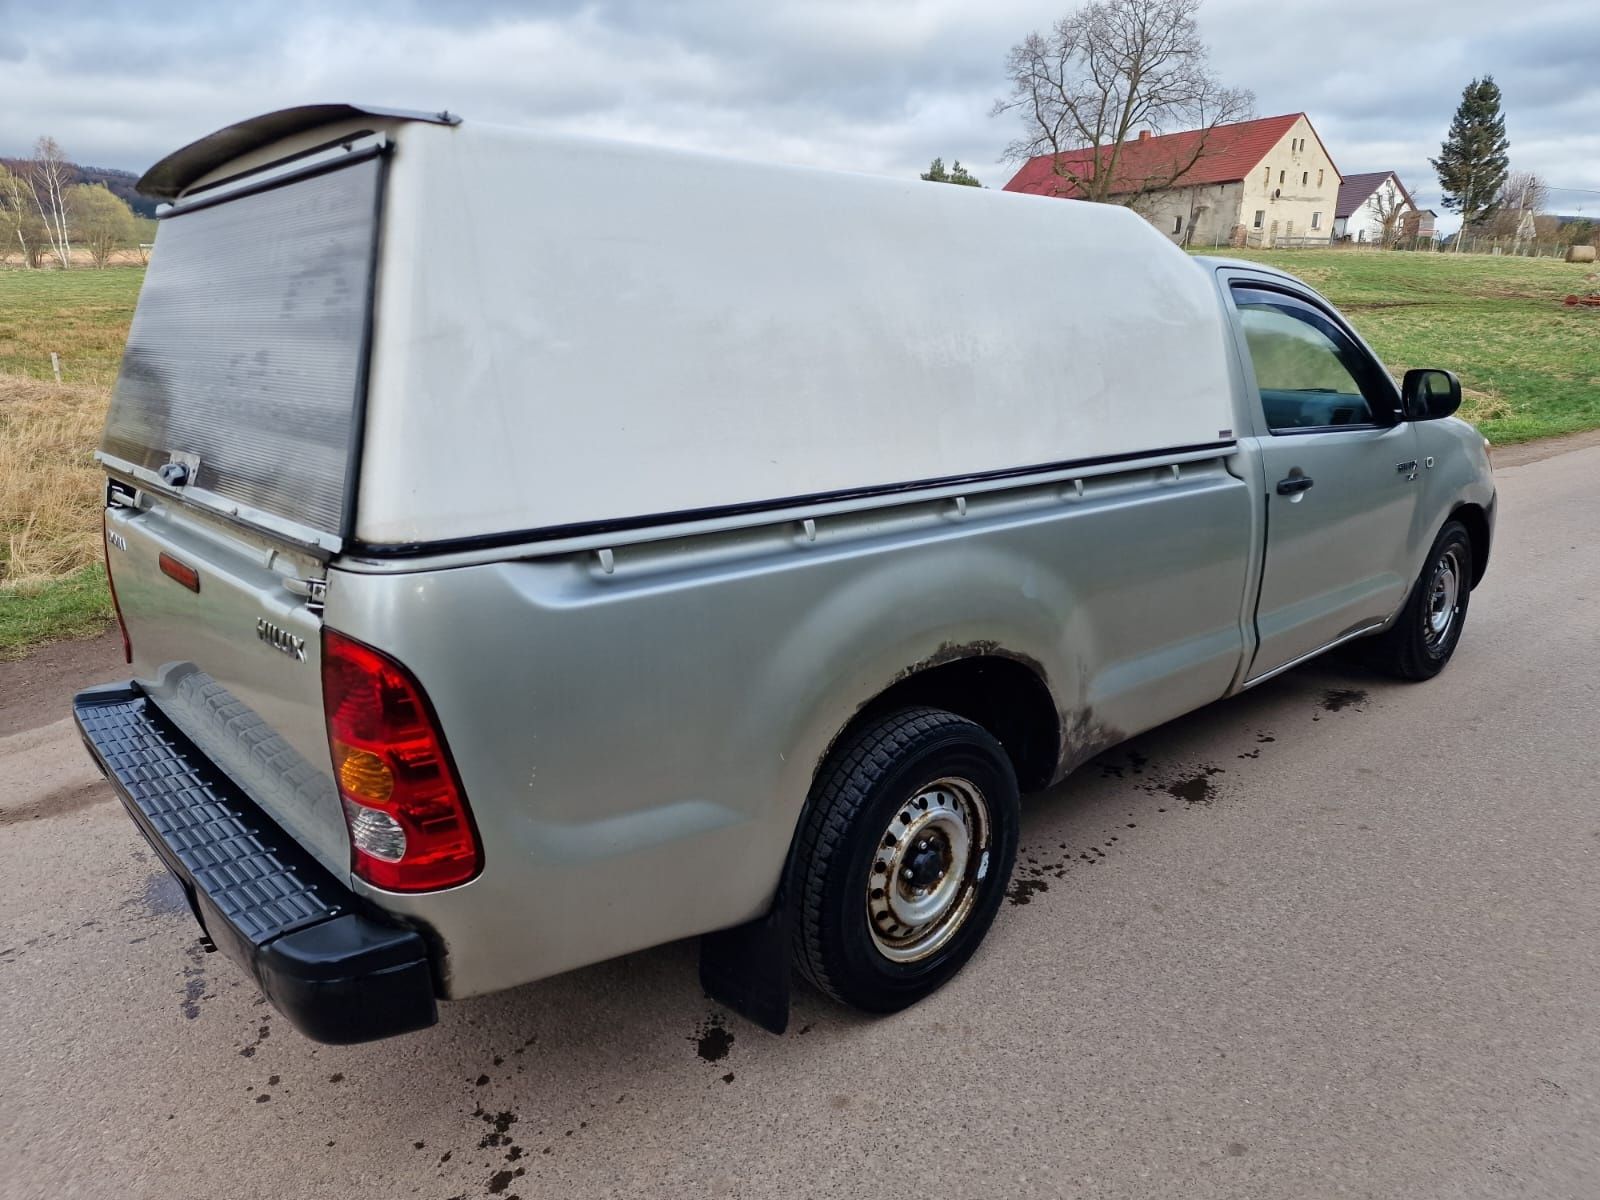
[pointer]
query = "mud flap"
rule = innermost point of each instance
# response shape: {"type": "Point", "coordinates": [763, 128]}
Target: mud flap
{"type": "Point", "coordinates": [747, 968]}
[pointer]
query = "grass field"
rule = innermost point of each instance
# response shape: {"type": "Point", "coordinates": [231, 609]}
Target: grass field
{"type": "Point", "coordinates": [51, 583]}
{"type": "Point", "coordinates": [81, 315]}
{"type": "Point", "coordinates": [1530, 368]}
{"type": "Point", "coordinates": [75, 605]}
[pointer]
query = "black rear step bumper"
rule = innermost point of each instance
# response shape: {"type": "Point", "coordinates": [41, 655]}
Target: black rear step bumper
{"type": "Point", "coordinates": [318, 954]}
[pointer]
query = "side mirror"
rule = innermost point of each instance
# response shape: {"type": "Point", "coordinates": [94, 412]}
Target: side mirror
{"type": "Point", "coordinates": [1430, 394]}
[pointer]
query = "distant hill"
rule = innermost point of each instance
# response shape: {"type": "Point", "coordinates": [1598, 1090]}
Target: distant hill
{"type": "Point", "coordinates": [119, 183]}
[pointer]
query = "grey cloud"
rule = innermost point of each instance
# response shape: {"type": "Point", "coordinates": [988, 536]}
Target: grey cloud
{"type": "Point", "coordinates": [879, 86]}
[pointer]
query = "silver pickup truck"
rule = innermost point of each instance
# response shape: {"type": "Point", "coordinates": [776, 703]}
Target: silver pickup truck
{"type": "Point", "coordinates": [531, 549]}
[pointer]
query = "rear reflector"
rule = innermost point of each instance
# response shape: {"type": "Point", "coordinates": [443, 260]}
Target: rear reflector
{"type": "Point", "coordinates": [410, 829]}
{"type": "Point", "coordinates": [181, 571]}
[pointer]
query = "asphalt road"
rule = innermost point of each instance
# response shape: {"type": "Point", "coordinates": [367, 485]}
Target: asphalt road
{"type": "Point", "coordinates": [1337, 937]}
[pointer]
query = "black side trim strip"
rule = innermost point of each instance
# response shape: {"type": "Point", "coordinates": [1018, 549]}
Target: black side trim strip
{"type": "Point", "coordinates": [550, 533]}
{"type": "Point", "coordinates": [277, 181]}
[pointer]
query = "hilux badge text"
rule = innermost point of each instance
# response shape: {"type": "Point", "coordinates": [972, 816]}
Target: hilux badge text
{"type": "Point", "coordinates": [281, 639]}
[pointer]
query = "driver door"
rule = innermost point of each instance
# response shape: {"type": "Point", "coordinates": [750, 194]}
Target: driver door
{"type": "Point", "coordinates": [1341, 478]}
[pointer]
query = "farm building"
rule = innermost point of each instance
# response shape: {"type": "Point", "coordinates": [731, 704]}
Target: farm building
{"type": "Point", "coordinates": [1419, 223]}
{"type": "Point", "coordinates": [1268, 182]}
{"type": "Point", "coordinates": [1372, 207]}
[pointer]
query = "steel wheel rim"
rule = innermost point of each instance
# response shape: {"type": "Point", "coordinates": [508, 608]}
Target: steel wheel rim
{"type": "Point", "coordinates": [923, 881]}
{"type": "Point", "coordinates": [1444, 596]}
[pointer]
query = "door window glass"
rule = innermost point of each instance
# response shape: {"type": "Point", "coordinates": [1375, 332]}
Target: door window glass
{"type": "Point", "coordinates": [1303, 369]}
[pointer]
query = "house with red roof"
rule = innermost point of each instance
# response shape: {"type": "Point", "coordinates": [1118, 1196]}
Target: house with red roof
{"type": "Point", "coordinates": [1267, 182]}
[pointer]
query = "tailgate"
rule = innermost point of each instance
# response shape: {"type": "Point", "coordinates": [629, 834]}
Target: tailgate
{"type": "Point", "coordinates": [232, 442]}
{"type": "Point", "coordinates": [236, 664]}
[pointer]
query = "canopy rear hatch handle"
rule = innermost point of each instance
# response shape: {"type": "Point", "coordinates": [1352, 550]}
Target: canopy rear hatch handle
{"type": "Point", "coordinates": [313, 591]}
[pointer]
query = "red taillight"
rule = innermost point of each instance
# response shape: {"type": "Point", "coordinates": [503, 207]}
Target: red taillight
{"type": "Point", "coordinates": [116, 606]}
{"type": "Point", "coordinates": [410, 830]}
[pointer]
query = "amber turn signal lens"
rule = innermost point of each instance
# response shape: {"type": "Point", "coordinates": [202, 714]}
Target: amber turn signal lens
{"type": "Point", "coordinates": [363, 775]}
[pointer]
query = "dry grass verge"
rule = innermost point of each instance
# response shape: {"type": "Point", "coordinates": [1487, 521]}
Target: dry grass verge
{"type": "Point", "coordinates": [50, 487]}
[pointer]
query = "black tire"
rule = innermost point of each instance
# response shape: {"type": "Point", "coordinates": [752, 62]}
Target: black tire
{"type": "Point", "coordinates": [1413, 648]}
{"type": "Point", "coordinates": [882, 770]}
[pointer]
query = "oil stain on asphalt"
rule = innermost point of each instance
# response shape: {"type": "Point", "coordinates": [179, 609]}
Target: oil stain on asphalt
{"type": "Point", "coordinates": [1034, 870]}
{"type": "Point", "coordinates": [194, 980]}
{"type": "Point", "coordinates": [712, 1040]}
{"type": "Point", "coordinates": [1339, 699]}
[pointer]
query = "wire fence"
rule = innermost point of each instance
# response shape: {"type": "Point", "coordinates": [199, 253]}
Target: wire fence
{"type": "Point", "coordinates": [1524, 248]}
{"type": "Point", "coordinates": [1509, 247]}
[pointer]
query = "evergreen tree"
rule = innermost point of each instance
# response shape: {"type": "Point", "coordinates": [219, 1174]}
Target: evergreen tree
{"type": "Point", "coordinates": [1472, 160]}
{"type": "Point", "coordinates": [936, 173]}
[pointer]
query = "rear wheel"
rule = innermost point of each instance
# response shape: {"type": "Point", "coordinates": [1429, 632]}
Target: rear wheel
{"type": "Point", "coordinates": [1425, 634]}
{"type": "Point", "coordinates": [905, 850]}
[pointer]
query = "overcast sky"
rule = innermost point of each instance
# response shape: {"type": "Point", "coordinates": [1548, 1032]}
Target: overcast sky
{"type": "Point", "coordinates": [870, 85]}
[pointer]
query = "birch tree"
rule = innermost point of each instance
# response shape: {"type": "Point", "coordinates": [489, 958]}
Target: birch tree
{"type": "Point", "coordinates": [48, 179]}
{"type": "Point", "coordinates": [1105, 72]}
{"type": "Point", "coordinates": [20, 228]}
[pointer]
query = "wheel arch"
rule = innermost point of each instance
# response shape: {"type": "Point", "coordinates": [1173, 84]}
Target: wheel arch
{"type": "Point", "coordinates": [747, 967]}
{"type": "Point", "coordinates": [1476, 521]}
{"type": "Point", "coordinates": [1003, 692]}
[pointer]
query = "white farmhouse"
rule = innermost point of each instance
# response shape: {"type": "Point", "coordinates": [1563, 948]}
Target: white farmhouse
{"type": "Point", "coordinates": [1367, 203]}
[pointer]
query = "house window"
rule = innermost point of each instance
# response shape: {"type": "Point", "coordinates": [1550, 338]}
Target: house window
{"type": "Point", "coordinates": [1305, 178]}
{"type": "Point", "coordinates": [1266, 179]}
{"type": "Point", "coordinates": [1261, 215]}
{"type": "Point", "coordinates": [1319, 178]}
{"type": "Point", "coordinates": [1316, 220]}
{"type": "Point", "coordinates": [1177, 224]}
{"type": "Point", "coordinates": [1280, 176]}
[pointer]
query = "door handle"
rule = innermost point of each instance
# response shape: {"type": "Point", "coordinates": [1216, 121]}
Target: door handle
{"type": "Point", "coordinates": [1293, 484]}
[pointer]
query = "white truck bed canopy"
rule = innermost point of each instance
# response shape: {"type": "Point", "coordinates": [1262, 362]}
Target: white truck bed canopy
{"type": "Point", "coordinates": [573, 334]}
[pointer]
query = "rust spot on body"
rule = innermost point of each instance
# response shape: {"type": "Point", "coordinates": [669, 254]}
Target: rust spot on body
{"type": "Point", "coordinates": [949, 652]}
{"type": "Point", "coordinates": [1083, 736]}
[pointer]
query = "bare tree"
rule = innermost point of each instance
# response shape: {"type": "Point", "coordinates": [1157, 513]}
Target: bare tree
{"type": "Point", "coordinates": [1104, 72]}
{"type": "Point", "coordinates": [1521, 198]}
{"type": "Point", "coordinates": [1524, 192]}
{"type": "Point", "coordinates": [49, 178]}
{"type": "Point", "coordinates": [1390, 205]}
{"type": "Point", "coordinates": [19, 224]}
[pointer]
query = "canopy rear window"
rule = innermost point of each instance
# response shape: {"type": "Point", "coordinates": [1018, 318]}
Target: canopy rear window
{"type": "Point", "coordinates": [247, 355]}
